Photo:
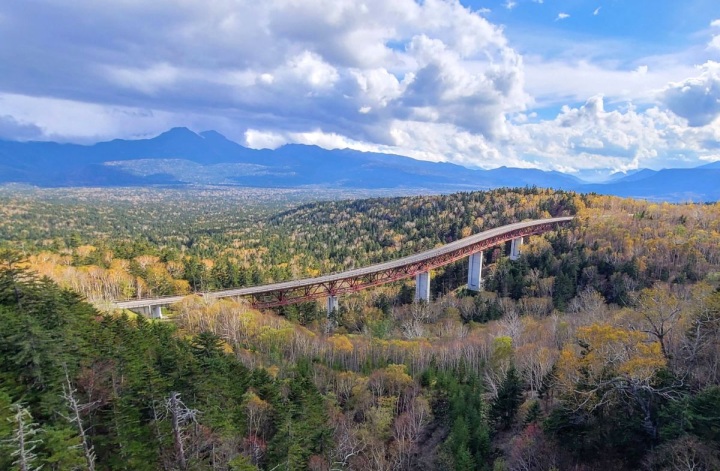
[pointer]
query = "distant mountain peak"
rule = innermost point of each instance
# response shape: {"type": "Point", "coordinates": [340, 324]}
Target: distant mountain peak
{"type": "Point", "coordinates": [178, 132]}
{"type": "Point", "coordinates": [712, 165]}
{"type": "Point", "coordinates": [295, 145]}
{"type": "Point", "coordinates": [210, 134]}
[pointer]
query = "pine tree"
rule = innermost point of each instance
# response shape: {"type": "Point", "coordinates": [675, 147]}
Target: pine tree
{"type": "Point", "coordinates": [207, 345]}
{"type": "Point", "coordinates": [508, 400]}
{"type": "Point", "coordinates": [533, 414]}
{"type": "Point", "coordinates": [62, 448]}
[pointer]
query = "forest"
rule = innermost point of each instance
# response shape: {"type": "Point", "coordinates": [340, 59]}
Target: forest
{"type": "Point", "coordinates": [599, 348]}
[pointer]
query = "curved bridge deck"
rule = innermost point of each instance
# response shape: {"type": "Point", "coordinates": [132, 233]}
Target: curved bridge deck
{"type": "Point", "coordinates": [290, 292]}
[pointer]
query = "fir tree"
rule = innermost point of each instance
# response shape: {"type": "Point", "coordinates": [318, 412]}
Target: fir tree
{"type": "Point", "coordinates": [508, 400]}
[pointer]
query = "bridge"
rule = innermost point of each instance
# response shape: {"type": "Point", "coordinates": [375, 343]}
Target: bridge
{"type": "Point", "coordinates": [334, 285]}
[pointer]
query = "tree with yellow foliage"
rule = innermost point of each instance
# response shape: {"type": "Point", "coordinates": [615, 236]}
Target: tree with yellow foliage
{"type": "Point", "coordinates": [607, 365]}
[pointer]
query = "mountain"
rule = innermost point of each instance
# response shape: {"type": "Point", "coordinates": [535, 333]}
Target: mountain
{"type": "Point", "coordinates": [699, 184]}
{"type": "Point", "coordinates": [634, 176]}
{"type": "Point", "coordinates": [181, 157]}
{"type": "Point", "coordinates": [505, 176]}
{"type": "Point", "coordinates": [613, 177]}
{"type": "Point", "coordinates": [713, 165]}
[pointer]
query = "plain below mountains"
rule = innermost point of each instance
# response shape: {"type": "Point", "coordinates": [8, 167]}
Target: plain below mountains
{"type": "Point", "coordinates": [183, 157]}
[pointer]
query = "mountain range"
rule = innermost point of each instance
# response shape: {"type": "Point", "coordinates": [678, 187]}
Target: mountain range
{"type": "Point", "coordinates": [183, 157]}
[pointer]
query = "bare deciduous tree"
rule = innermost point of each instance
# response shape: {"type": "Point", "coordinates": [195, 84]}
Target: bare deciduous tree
{"type": "Point", "coordinates": [23, 441]}
{"type": "Point", "coordinates": [76, 409]}
{"type": "Point", "coordinates": [180, 416]}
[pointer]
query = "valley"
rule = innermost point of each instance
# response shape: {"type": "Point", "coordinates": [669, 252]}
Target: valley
{"type": "Point", "coordinates": [606, 326]}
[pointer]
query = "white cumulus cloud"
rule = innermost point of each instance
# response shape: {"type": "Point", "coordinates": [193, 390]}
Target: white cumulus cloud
{"type": "Point", "coordinates": [714, 43]}
{"type": "Point", "coordinates": [696, 99]}
{"type": "Point", "coordinates": [277, 64]}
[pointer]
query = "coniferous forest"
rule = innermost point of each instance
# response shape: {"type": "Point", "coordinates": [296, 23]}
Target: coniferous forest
{"type": "Point", "coordinates": [599, 348]}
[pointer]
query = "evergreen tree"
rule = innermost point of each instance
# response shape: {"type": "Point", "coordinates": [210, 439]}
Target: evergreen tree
{"type": "Point", "coordinates": [508, 400]}
{"type": "Point", "coordinates": [534, 413]}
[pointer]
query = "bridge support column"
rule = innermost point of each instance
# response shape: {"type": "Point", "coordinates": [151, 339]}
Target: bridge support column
{"type": "Point", "coordinates": [422, 286]}
{"type": "Point", "coordinates": [515, 248]}
{"type": "Point", "coordinates": [143, 311]}
{"type": "Point", "coordinates": [332, 304]}
{"type": "Point", "coordinates": [156, 312]}
{"type": "Point", "coordinates": [475, 271]}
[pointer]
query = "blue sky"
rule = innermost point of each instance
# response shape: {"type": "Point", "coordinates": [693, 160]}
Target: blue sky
{"type": "Point", "coordinates": [645, 27]}
{"type": "Point", "coordinates": [587, 87]}
{"type": "Point", "coordinates": [653, 25]}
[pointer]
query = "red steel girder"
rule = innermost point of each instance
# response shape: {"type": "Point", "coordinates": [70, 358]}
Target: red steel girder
{"type": "Point", "coordinates": [353, 284]}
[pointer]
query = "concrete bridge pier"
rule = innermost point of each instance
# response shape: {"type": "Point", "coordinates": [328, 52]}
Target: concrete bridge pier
{"type": "Point", "coordinates": [515, 248]}
{"type": "Point", "coordinates": [156, 312]}
{"type": "Point", "coordinates": [332, 304]}
{"type": "Point", "coordinates": [151, 312]}
{"type": "Point", "coordinates": [143, 311]}
{"type": "Point", "coordinates": [422, 286]}
{"type": "Point", "coordinates": [475, 271]}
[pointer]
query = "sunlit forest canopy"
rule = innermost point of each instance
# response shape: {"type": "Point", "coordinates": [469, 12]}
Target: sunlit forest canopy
{"type": "Point", "coordinates": [597, 349]}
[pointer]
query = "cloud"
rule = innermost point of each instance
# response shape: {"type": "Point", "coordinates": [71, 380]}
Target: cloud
{"type": "Point", "coordinates": [714, 43]}
{"type": "Point", "coordinates": [11, 128]}
{"type": "Point", "coordinates": [577, 138]}
{"type": "Point", "coordinates": [310, 68]}
{"type": "Point", "coordinates": [429, 79]}
{"type": "Point", "coordinates": [345, 67]}
{"type": "Point", "coordinates": [257, 139]}
{"type": "Point", "coordinates": [46, 118]}
{"type": "Point", "coordinates": [696, 99]}
{"type": "Point", "coordinates": [597, 11]}
{"type": "Point", "coordinates": [618, 82]}
{"type": "Point", "coordinates": [415, 139]}
{"type": "Point", "coordinates": [443, 90]}
{"type": "Point", "coordinates": [592, 137]}
{"type": "Point", "coordinates": [148, 80]}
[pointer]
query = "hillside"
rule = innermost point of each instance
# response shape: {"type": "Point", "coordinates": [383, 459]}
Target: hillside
{"type": "Point", "coordinates": [595, 350]}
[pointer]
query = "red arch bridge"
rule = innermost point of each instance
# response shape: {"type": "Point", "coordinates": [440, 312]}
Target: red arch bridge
{"type": "Point", "coordinates": [350, 281]}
